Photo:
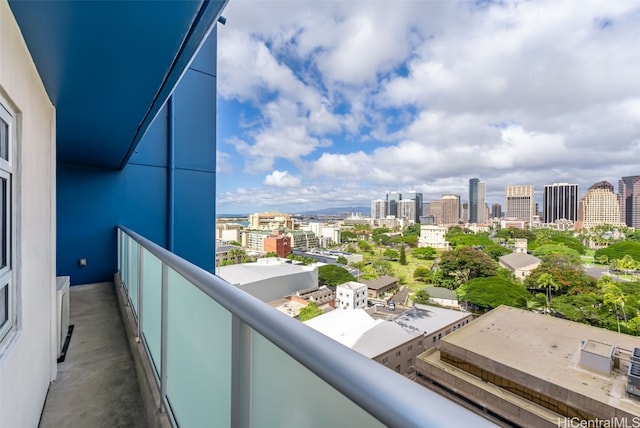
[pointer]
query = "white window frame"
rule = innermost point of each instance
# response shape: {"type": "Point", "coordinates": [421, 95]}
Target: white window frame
{"type": "Point", "coordinates": [7, 279]}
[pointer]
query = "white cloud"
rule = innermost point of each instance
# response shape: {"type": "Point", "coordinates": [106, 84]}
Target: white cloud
{"type": "Point", "coordinates": [370, 95]}
{"type": "Point", "coordinates": [281, 179]}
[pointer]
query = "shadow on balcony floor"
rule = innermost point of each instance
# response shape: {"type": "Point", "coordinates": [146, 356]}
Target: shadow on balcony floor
{"type": "Point", "coordinates": [96, 384]}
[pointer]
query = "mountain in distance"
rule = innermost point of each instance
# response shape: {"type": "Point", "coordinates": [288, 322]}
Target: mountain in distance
{"type": "Point", "coordinates": [365, 211]}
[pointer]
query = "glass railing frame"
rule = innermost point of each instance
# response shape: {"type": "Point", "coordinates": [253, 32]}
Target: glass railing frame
{"type": "Point", "coordinates": [389, 397]}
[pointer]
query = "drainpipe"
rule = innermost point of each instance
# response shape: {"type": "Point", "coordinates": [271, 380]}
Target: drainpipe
{"type": "Point", "coordinates": [171, 171]}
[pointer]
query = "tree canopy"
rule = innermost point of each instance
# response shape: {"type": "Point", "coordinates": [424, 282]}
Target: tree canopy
{"type": "Point", "coordinates": [310, 311]}
{"type": "Point", "coordinates": [424, 253]}
{"type": "Point", "coordinates": [464, 264]}
{"type": "Point", "coordinates": [491, 292]}
{"type": "Point", "coordinates": [333, 275]}
{"type": "Point", "coordinates": [619, 250]}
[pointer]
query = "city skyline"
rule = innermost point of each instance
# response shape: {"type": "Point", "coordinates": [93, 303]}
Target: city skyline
{"type": "Point", "coordinates": [329, 104]}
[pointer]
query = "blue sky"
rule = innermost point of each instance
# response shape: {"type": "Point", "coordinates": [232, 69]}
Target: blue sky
{"type": "Point", "coordinates": [335, 103]}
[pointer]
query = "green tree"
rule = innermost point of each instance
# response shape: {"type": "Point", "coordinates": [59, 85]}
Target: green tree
{"type": "Point", "coordinates": [421, 297]}
{"type": "Point", "coordinates": [491, 292]}
{"type": "Point", "coordinates": [422, 273]}
{"type": "Point", "coordinates": [464, 264]}
{"type": "Point", "coordinates": [347, 235]}
{"type": "Point", "coordinates": [364, 246]}
{"type": "Point", "coordinates": [403, 256]}
{"type": "Point", "coordinates": [424, 253]}
{"type": "Point", "coordinates": [310, 311]}
{"type": "Point", "coordinates": [613, 294]}
{"type": "Point", "coordinates": [342, 260]}
{"type": "Point", "coordinates": [391, 254]}
{"type": "Point", "coordinates": [546, 282]}
{"type": "Point", "coordinates": [333, 275]}
{"type": "Point", "coordinates": [547, 249]}
{"type": "Point", "coordinates": [271, 254]}
{"type": "Point", "coordinates": [382, 267]}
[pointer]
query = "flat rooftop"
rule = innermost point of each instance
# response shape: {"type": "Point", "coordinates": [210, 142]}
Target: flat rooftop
{"type": "Point", "coordinates": [429, 319]}
{"type": "Point", "coordinates": [546, 348]}
{"type": "Point", "coordinates": [247, 273]}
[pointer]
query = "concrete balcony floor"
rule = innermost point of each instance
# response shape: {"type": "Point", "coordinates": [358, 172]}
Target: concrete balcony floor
{"type": "Point", "coordinates": [96, 384]}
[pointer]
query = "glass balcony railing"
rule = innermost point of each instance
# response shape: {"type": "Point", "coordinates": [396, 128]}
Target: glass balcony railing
{"type": "Point", "coordinates": [223, 358]}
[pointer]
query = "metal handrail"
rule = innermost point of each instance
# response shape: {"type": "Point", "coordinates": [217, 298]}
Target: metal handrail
{"type": "Point", "coordinates": [387, 396]}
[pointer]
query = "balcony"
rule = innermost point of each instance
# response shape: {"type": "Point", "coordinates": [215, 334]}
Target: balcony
{"type": "Point", "coordinates": [220, 357]}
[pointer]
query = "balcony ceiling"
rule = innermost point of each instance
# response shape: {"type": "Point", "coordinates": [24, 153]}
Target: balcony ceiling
{"type": "Point", "coordinates": [109, 66]}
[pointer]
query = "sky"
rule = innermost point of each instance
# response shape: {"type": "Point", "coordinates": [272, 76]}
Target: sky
{"type": "Point", "coordinates": [336, 103]}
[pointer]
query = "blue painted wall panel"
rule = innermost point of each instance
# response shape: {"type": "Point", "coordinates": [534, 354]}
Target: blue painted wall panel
{"type": "Point", "coordinates": [196, 122]}
{"type": "Point", "coordinates": [91, 202]}
{"type": "Point", "coordinates": [193, 228]}
{"type": "Point", "coordinates": [205, 62]}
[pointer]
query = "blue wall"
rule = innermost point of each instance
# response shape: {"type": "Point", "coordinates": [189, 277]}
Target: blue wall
{"type": "Point", "coordinates": [92, 202]}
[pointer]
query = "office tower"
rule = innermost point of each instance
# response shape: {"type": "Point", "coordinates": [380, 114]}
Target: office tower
{"type": "Point", "coordinates": [519, 202]}
{"type": "Point", "coordinates": [465, 211]}
{"type": "Point", "coordinates": [417, 199]}
{"type": "Point", "coordinates": [477, 195]}
{"type": "Point", "coordinates": [599, 206]}
{"type": "Point", "coordinates": [392, 203]}
{"type": "Point", "coordinates": [426, 207]}
{"type": "Point", "coordinates": [378, 208]}
{"type": "Point", "coordinates": [450, 209]}
{"type": "Point", "coordinates": [407, 210]}
{"type": "Point", "coordinates": [629, 199]}
{"type": "Point", "coordinates": [435, 211]}
{"type": "Point", "coordinates": [560, 202]}
{"type": "Point", "coordinates": [496, 211]}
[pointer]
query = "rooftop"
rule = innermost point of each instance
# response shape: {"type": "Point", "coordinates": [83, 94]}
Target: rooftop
{"type": "Point", "coordinates": [380, 282]}
{"type": "Point", "coordinates": [361, 332]}
{"type": "Point", "coordinates": [519, 260]}
{"type": "Point", "coordinates": [547, 348]}
{"type": "Point", "coordinates": [429, 319]}
{"type": "Point", "coordinates": [246, 273]}
{"type": "Point", "coordinates": [352, 285]}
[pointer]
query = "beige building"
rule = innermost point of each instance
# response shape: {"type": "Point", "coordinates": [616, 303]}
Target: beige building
{"type": "Point", "coordinates": [519, 263]}
{"type": "Point", "coordinates": [433, 236]}
{"type": "Point", "coordinates": [520, 202]}
{"type": "Point", "coordinates": [535, 370]}
{"type": "Point", "coordinates": [271, 221]}
{"type": "Point", "coordinates": [228, 232]}
{"type": "Point", "coordinates": [598, 206]}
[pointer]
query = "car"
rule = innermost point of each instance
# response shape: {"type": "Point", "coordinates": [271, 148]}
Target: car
{"type": "Point", "coordinates": [380, 305]}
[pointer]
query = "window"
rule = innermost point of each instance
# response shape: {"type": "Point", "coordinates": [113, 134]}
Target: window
{"type": "Point", "coordinates": [398, 368]}
{"type": "Point", "coordinates": [385, 360]}
{"type": "Point", "coordinates": [7, 292]}
{"type": "Point", "coordinates": [398, 354]}
{"type": "Point", "coordinates": [410, 348]}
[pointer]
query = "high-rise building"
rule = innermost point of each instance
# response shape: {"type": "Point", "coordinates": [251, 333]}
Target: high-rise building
{"type": "Point", "coordinates": [629, 200]}
{"type": "Point", "coordinates": [560, 202]}
{"type": "Point", "coordinates": [496, 211]}
{"type": "Point", "coordinates": [450, 209]}
{"type": "Point", "coordinates": [379, 208]}
{"type": "Point", "coordinates": [477, 196]}
{"type": "Point", "coordinates": [407, 210]}
{"type": "Point", "coordinates": [435, 211]}
{"type": "Point", "coordinates": [599, 206]}
{"type": "Point", "coordinates": [416, 197]}
{"type": "Point", "coordinates": [519, 202]}
{"type": "Point", "coordinates": [392, 203]}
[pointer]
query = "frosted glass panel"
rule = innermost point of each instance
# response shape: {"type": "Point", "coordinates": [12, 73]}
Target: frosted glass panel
{"type": "Point", "coordinates": [124, 273]}
{"type": "Point", "coordinates": [302, 398]}
{"type": "Point", "coordinates": [152, 305]}
{"type": "Point", "coordinates": [133, 275]}
{"type": "Point", "coordinates": [198, 356]}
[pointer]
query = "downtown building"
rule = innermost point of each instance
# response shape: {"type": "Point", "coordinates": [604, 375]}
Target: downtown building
{"type": "Point", "coordinates": [519, 202]}
{"type": "Point", "coordinates": [600, 205]}
{"type": "Point", "coordinates": [477, 202]}
{"type": "Point", "coordinates": [629, 200]}
{"type": "Point", "coordinates": [560, 202]}
{"type": "Point", "coordinates": [379, 208]}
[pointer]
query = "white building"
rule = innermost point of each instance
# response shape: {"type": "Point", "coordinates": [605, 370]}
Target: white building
{"type": "Point", "coordinates": [433, 236]}
{"type": "Point", "coordinates": [270, 279]}
{"type": "Point", "coordinates": [351, 295]}
{"type": "Point", "coordinates": [228, 232]}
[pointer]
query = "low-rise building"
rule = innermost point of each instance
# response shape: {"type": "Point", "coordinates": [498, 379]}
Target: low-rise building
{"type": "Point", "coordinates": [270, 279]}
{"type": "Point", "coordinates": [537, 370]}
{"type": "Point", "coordinates": [433, 236]}
{"type": "Point", "coordinates": [351, 295]}
{"type": "Point", "coordinates": [442, 296]}
{"type": "Point", "coordinates": [520, 264]}
{"type": "Point", "coordinates": [381, 285]}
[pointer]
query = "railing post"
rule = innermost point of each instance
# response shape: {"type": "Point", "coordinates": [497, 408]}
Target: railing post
{"type": "Point", "coordinates": [140, 280]}
{"type": "Point", "coordinates": [163, 333]}
{"type": "Point", "coordinates": [240, 373]}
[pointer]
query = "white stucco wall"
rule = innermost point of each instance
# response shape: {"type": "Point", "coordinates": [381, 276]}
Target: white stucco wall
{"type": "Point", "coordinates": [27, 361]}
